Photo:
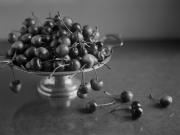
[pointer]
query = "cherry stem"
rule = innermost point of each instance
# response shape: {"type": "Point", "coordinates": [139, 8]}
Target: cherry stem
{"type": "Point", "coordinates": [64, 23]}
{"type": "Point", "coordinates": [83, 78]}
{"type": "Point", "coordinates": [106, 104]}
{"type": "Point", "coordinates": [120, 108]}
{"type": "Point", "coordinates": [107, 93]}
{"type": "Point", "coordinates": [12, 70]}
{"type": "Point", "coordinates": [37, 20]}
{"type": "Point", "coordinates": [56, 69]}
{"type": "Point", "coordinates": [105, 65]}
{"type": "Point", "coordinates": [78, 72]}
{"type": "Point", "coordinates": [96, 73]}
{"type": "Point", "coordinates": [150, 96]}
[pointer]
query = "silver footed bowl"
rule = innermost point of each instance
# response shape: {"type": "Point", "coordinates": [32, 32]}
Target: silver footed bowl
{"type": "Point", "coordinates": [61, 88]}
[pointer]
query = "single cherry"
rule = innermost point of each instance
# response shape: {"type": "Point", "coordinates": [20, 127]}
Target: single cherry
{"type": "Point", "coordinates": [20, 59]}
{"type": "Point", "coordinates": [30, 52]}
{"type": "Point", "coordinates": [62, 50]}
{"type": "Point", "coordinates": [74, 52]}
{"type": "Point", "coordinates": [96, 84]}
{"type": "Point", "coordinates": [64, 40]}
{"type": "Point", "coordinates": [12, 37]}
{"type": "Point", "coordinates": [29, 22]}
{"type": "Point", "coordinates": [26, 38]}
{"type": "Point", "coordinates": [165, 101]}
{"type": "Point", "coordinates": [74, 65]}
{"type": "Point", "coordinates": [42, 53]}
{"type": "Point", "coordinates": [76, 27]}
{"type": "Point", "coordinates": [18, 46]}
{"type": "Point", "coordinates": [77, 37]}
{"type": "Point", "coordinates": [126, 96]}
{"type": "Point", "coordinates": [67, 21]}
{"type": "Point", "coordinates": [87, 31]}
{"type": "Point", "coordinates": [36, 40]}
{"type": "Point", "coordinates": [33, 30]}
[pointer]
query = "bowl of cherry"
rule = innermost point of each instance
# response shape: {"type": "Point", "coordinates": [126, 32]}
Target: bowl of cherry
{"type": "Point", "coordinates": [57, 50]}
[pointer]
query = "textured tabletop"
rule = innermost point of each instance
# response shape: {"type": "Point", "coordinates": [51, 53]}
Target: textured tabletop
{"type": "Point", "coordinates": [143, 68]}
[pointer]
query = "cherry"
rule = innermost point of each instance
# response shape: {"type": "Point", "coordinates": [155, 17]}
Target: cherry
{"type": "Point", "coordinates": [20, 59]}
{"type": "Point", "coordinates": [49, 23]}
{"type": "Point", "coordinates": [46, 38]}
{"type": "Point", "coordinates": [76, 27]}
{"type": "Point", "coordinates": [33, 30]}
{"type": "Point", "coordinates": [100, 45]}
{"type": "Point", "coordinates": [135, 110]}
{"type": "Point", "coordinates": [82, 50]}
{"type": "Point", "coordinates": [136, 113]}
{"type": "Point", "coordinates": [15, 86]}
{"type": "Point", "coordinates": [18, 46]}
{"type": "Point", "coordinates": [29, 22]}
{"type": "Point", "coordinates": [26, 38]}
{"type": "Point", "coordinates": [64, 40]}
{"type": "Point", "coordinates": [87, 31]}
{"type": "Point", "coordinates": [62, 50]}
{"type": "Point", "coordinates": [166, 101]}
{"type": "Point", "coordinates": [67, 59]}
{"type": "Point", "coordinates": [54, 43]}
{"type": "Point", "coordinates": [93, 49]}
{"type": "Point", "coordinates": [36, 64]}
{"type": "Point", "coordinates": [74, 52]}
{"type": "Point", "coordinates": [23, 30]}
{"type": "Point", "coordinates": [42, 53]}
{"type": "Point", "coordinates": [67, 21]}
{"type": "Point", "coordinates": [124, 97]}
{"type": "Point", "coordinates": [62, 32]}
{"type": "Point", "coordinates": [96, 84]}
{"type": "Point", "coordinates": [36, 40]}
{"type": "Point", "coordinates": [30, 52]}
{"type": "Point", "coordinates": [77, 37]}
{"type": "Point", "coordinates": [59, 66]}
{"type": "Point", "coordinates": [136, 104]}
{"type": "Point", "coordinates": [127, 96]}
{"type": "Point", "coordinates": [84, 88]}
{"type": "Point", "coordinates": [100, 56]}
{"type": "Point", "coordinates": [74, 65]}
{"type": "Point", "coordinates": [96, 34]}
{"type": "Point", "coordinates": [82, 95]}
{"type": "Point", "coordinates": [47, 30]}
{"type": "Point", "coordinates": [28, 66]}
{"type": "Point", "coordinates": [89, 60]}
{"type": "Point", "coordinates": [92, 106]}
{"type": "Point", "coordinates": [12, 37]}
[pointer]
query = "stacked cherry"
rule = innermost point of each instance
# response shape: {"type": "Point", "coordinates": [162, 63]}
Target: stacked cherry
{"type": "Point", "coordinates": [58, 44]}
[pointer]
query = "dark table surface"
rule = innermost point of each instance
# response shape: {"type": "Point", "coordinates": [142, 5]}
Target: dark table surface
{"type": "Point", "coordinates": [144, 68]}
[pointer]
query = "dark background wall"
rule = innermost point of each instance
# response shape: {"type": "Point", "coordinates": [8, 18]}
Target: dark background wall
{"type": "Point", "coordinates": [134, 19]}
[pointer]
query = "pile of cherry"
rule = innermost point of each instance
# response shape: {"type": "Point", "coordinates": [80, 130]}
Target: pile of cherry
{"type": "Point", "coordinates": [135, 108]}
{"type": "Point", "coordinates": [57, 45]}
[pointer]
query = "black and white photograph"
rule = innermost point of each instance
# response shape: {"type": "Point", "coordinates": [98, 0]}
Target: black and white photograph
{"type": "Point", "coordinates": [89, 67]}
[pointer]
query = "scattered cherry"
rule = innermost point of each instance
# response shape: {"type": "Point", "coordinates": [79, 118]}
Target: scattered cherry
{"type": "Point", "coordinates": [126, 96]}
{"type": "Point", "coordinates": [164, 101]}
